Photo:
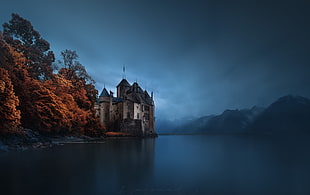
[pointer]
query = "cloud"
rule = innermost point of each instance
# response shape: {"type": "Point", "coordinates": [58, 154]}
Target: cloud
{"type": "Point", "coordinates": [198, 57]}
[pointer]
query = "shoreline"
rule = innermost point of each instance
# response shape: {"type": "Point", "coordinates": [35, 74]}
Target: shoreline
{"type": "Point", "coordinates": [33, 140]}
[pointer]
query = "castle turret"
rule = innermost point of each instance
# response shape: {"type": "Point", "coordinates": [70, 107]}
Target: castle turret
{"type": "Point", "coordinates": [122, 87]}
{"type": "Point", "coordinates": [105, 101]}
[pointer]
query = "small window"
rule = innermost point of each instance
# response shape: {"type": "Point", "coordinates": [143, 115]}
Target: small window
{"type": "Point", "coordinates": [128, 115]}
{"type": "Point", "coordinates": [138, 116]}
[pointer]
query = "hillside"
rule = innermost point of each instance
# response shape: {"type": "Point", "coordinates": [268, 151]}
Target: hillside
{"type": "Point", "coordinates": [230, 121]}
{"type": "Point", "coordinates": [287, 114]}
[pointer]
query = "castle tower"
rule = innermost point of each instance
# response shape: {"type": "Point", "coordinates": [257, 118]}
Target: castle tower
{"type": "Point", "coordinates": [122, 87]}
{"type": "Point", "coordinates": [105, 108]}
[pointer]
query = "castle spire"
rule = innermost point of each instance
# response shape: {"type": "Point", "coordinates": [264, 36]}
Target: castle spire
{"type": "Point", "coordinates": [124, 72]}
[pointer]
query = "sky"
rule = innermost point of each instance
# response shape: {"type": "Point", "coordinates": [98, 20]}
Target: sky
{"type": "Point", "coordinates": [198, 57]}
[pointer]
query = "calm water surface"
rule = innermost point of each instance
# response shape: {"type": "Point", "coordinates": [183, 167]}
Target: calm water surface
{"type": "Point", "coordinates": [175, 164]}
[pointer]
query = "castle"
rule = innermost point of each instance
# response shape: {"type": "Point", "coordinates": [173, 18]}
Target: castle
{"type": "Point", "coordinates": [131, 111]}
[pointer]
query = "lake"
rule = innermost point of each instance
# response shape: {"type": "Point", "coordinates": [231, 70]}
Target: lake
{"type": "Point", "coordinates": [169, 164]}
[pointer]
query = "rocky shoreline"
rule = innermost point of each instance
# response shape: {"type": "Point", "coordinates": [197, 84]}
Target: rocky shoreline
{"type": "Point", "coordinates": [28, 139]}
{"type": "Point", "coordinates": [24, 140]}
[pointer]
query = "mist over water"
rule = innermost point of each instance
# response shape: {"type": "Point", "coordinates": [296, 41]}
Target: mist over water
{"type": "Point", "coordinates": [191, 164]}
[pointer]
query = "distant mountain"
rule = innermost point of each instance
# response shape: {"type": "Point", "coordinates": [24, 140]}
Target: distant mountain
{"type": "Point", "coordinates": [233, 120]}
{"type": "Point", "coordinates": [228, 121]}
{"type": "Point", "coordinates": [287, 114]}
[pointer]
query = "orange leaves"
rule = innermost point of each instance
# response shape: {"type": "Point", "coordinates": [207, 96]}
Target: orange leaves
{"type": "Point", "coordinates": [32, 96]}
{"type": "Point", "coordinates": [9, 115]}
{"type": "Point", "coordinates": [2, 86]}
{"type": "Point", "coordinates": [61, 107]}
{"type": "Point", "coordinates": [21, 35]}
{"type": "Point", "coordinates": [47, 108]}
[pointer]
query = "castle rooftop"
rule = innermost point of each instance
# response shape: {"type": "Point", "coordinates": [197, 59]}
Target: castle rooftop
{"type": "Point", "coordinates": [104, 93]}
{"type": "Point", "coordinates": [123, 82]}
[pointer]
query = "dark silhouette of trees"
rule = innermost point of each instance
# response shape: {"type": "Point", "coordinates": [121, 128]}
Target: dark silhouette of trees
{"type": "Point", "coordinates": [21, 35]}
{"type": "Point", "coordinates": [73, 69]}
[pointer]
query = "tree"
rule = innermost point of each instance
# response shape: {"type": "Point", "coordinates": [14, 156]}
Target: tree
{"type": "Point", "coordinates": [82, 89]}
{"type": "Point", "coordinates": [83, 85]}
{"type": "Point", "coordinates": [75, 70]}
{"type": "Point", "coordinates": [21, 35]}
{"type": "Point", "coordinates": [15, 63]}
{"type": "Point", "coordinates": [31, 95]}
{"type": "Point", "coordinates": [9, 114]}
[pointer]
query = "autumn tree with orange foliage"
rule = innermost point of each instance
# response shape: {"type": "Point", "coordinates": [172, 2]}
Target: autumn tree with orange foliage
{"type": "Point", "coordinates": [82, 90]}
{"type": "Point", "coordinates": [60, 103]}
{"type": "Point", "coordinates": [21, 35]}
{"type": "Point", "coordinates": [9, 115]}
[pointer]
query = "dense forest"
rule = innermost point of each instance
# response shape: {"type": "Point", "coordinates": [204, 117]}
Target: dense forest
{"type": "Point", "coordinates": [39, 92]}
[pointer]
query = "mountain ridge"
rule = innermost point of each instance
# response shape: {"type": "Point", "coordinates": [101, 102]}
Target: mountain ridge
{"type": "Point", "coordinates": [290, 113]}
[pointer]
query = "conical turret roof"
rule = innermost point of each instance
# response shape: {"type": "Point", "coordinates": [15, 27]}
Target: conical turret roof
{"type": "Point", "coordinates": [123, 82]}
{"type": "Point", "coordinates": [104, 93]}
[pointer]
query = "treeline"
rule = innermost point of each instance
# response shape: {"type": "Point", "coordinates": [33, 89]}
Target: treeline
{"type": "Point", "coordinates": [34, 94]}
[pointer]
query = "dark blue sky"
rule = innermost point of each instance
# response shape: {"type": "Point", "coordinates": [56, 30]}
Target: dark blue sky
{"type": "Point", "coordinates": [199, 57]}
